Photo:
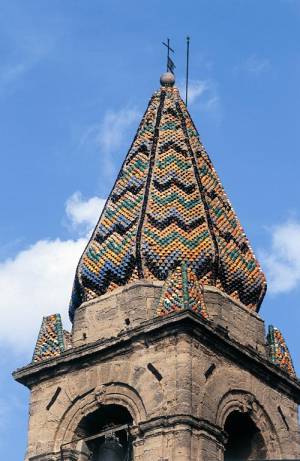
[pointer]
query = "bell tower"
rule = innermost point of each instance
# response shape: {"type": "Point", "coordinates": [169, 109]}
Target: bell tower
{"type": "Point", "coordinates": [167, 359]}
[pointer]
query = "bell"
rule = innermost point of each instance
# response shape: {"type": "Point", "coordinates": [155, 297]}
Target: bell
{"type": "Point", "coordinates": [111, 450]}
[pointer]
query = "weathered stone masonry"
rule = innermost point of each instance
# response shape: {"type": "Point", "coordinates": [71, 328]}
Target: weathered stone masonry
{"type": "Point", "coordinates": [167, 359]}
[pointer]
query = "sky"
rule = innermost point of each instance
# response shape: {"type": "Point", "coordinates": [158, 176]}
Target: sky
{"type": "Point", "coordinates": [75, 79]}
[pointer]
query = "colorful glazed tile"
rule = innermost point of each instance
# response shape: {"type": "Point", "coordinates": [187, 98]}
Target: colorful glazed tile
{"type": "Point", "coordinates": [182, 290]}
{"type": "Point", "coordinates": [50, 341]}
{"type": "Point", "coordinates": [166, 207]}
{"type": "Point", "coordinates": [279, 352]}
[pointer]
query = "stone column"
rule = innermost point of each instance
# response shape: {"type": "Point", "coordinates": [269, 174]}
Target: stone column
{"type": "Point", "coordinates": [210, 449]}
{"type": "Point", "coordinates": [182, 443]}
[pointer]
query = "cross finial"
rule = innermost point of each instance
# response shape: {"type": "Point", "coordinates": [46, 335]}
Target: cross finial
{"type": "Point", "coordinates": [170, 64]}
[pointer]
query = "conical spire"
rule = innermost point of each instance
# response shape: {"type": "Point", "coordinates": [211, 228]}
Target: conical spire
{"type": "Point", "coordinates": [168, 207]}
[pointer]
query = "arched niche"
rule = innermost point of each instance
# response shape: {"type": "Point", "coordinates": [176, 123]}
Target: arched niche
{"type": "Point", "coordinates": [73, 425]}
{"type": "Point", "coordinates": [230, 389]}
{"type": "Point", "coordinates": [251, 433]}
{"type": "Point", "coordinates": [105, 434]}
{"type": "Point", "coordinates": [245, 441]}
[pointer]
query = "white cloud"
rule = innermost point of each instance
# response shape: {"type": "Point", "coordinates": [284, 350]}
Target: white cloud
{"type": "Point", "coordinates": [38, 281]}
{"type": "Point", "coordinates": [196, 89]}
{"type": "Point", "coordinates": [25, 44]}
{"type": "Point", "coordinates": [255, 65]}
{"type": "Point", "coordinates": [11, 73]}
{"type": "Point", "coordinates": [114, 126]}
{"type": "Point", "coordinates": [14, 71]}
{"type": "Point", "coordinates": [83, 214]}
{"type": "Point", "coordinates": [11, 406]}
{"type": "Point", "coordinates": [4, 411]}
{"type": "Point", "coordinates": [282, 260]}
{"type": "Point", "coordinates": [110, 133]}
{"type": "Point", "coordinates": [204, 93]}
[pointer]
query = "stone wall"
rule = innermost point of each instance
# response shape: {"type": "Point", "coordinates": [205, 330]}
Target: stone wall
{"type": "Point", "coordinates": [200, 371]}
{"type": "Point", "coordinates": [130, 306]}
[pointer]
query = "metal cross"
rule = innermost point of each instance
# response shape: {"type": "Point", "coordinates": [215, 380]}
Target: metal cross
{"type": "Point", "coordinates": [170, 64]}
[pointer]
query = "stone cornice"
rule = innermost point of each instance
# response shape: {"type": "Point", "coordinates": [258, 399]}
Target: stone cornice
{"type": "Point", "coordinates": [184, 322]}
{"type": "Point", "coordinates": [171, 421]}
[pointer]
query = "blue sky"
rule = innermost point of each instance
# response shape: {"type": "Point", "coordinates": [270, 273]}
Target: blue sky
{"type": "Point", "coordinates": [69, 71]}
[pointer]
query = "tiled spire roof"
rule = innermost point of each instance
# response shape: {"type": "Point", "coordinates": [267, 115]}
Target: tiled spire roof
{"type": "Point", "coordinates": [168, 207]}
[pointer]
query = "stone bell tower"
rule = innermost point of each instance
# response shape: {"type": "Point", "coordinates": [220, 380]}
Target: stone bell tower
{"type": "Point", "coordinates": [167, 359]}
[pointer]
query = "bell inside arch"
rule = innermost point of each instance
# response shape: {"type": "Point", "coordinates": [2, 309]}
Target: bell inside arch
{"type": "Point", "coordinates": [111, 450]}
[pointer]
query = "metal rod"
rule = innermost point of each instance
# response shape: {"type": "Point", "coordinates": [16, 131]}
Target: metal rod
{"type": "Point", "coordinates": [187, 69]}
{"type": "Point", "coordinates": [168, 54]}
{"type": "Point", "coordinates": [100, 434]}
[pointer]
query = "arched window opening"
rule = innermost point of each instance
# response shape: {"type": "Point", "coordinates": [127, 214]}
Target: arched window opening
{"type": "Point", "coordinates": [106, 434]}
{"type": "Point", "coordinates": [245, 441]}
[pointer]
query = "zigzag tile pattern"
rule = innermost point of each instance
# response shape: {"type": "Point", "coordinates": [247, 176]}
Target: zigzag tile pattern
{"type": "Point", "coordinates": [109, 259]}
{"type": "Point", "coordinates": [182, 290]}
{"type": "Point", "coordinates": [175, 226]}
{"type": "Point", "coordinates": [237, 271]}
{"type": "Point", "coordinates": [279, 353]}
{"type": "Point", "coordinates": [168, 207]}
{"type": "Point", "coordinates": [50, 342]}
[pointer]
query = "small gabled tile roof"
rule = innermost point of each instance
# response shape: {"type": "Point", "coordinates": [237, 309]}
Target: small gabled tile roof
{"type": "Point", "coordinates": [50, 342]}
{"type": "Point", "coordinates": [279, 352]}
